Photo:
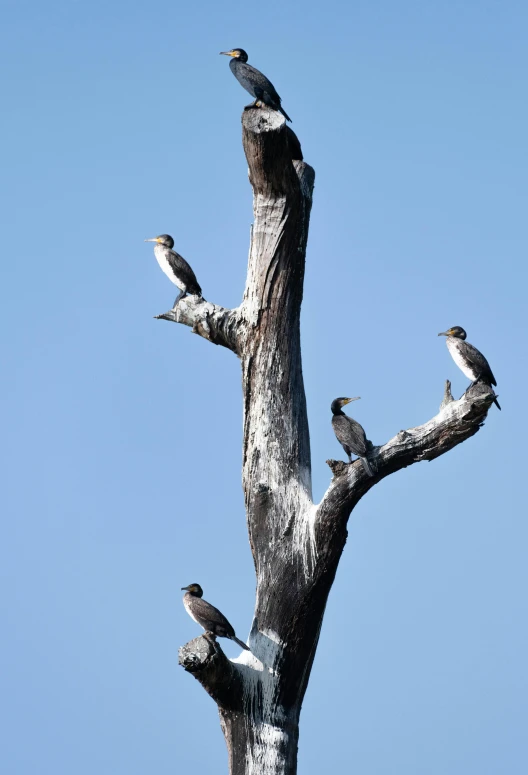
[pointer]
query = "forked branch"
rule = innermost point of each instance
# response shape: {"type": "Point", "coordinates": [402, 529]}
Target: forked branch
{"type": "Point", "coordinates": [455, 422]}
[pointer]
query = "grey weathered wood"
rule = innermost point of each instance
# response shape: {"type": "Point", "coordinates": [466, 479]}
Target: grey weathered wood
{"type": "Point", "coordinates": [456, 422]}
{"type": "Point", "coordinates": [214, 323]}
{"type": "Point", "coordinates": [296, 544]}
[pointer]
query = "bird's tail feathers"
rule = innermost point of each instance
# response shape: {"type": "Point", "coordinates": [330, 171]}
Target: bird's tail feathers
{"type": "Point", "coordinates": [286, 116]}
{"type": "Point", "coordinates": [497, 403]}
{"type": "Point", "coordinates": [240, 642]}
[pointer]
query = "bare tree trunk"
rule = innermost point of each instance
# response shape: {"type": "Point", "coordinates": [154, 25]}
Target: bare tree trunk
{"type": "Point", "coordinates": [296, 545]}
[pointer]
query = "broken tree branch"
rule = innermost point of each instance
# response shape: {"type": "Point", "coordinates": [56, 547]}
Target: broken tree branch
{"type": "Point", "coordinates": [216, 324]}
{"type": "Point", "coordinates": [455, 422]}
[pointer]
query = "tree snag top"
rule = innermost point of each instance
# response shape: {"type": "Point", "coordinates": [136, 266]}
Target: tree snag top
{"type": "Point", "coordinates": [296, 545]}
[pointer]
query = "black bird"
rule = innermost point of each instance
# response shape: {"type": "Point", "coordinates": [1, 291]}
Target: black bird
{"type": "Point", "coordinates": [349, 433]}
{"type": "Point", "coordinates": [254, 81]}
{"type": "Point", "coordinates": [207, 616]}
{"type": "Point", "coordinates": [175, 267]}
{"type": "Point", "coordinates": [468, 359]}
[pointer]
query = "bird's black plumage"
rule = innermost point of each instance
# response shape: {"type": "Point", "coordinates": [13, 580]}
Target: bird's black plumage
{"type": "Point", "coordinates": [207, 616]}
{"type": "Point", "coordinates": [175, 267]}
{"type": "Point", "coordinates": [254, 81]}
{"type": "Point", "coordinates": [349, 433]}
{"type": "Point", "coordinates": [468, 359]}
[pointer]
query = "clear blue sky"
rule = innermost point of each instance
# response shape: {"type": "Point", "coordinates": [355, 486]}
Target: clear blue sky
{"type": "Point", "coordinates": [122, 434]}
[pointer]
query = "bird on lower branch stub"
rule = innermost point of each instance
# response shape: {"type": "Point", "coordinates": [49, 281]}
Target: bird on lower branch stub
{"type": "Point", "coordinates": [254, 82]}
{"type": "Point", "coordinates": [175, 267]}
{"type": "Point", "coordinates": [469, 360]}
{"type": "Point", "coordinates": [207, 616]}
{"type": "Point", "coordinates": [349, 433]}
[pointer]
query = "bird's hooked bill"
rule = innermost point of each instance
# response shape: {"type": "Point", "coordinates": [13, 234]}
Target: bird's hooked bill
{"type": "Point", "coordinates": [228, 53]}
{"type": "Point", "coordinates": [152, 239]}
{"type": "Point", "coordinates": [349, 400]}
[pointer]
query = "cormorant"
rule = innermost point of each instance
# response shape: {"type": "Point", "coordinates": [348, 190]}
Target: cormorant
{"type": "Point", "coordinates": [468, 359]}
{"type": "Point", "coordinates": [175, 267]}
{"type": "Point", "coordinates": [349, 433]}
{"type": "Point", "coordinates": [254, 81]}
{"type": "Point", "coordinates": [207, 616]}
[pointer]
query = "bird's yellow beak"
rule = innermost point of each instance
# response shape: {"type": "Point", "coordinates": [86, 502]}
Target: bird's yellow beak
{"type": "Point", "coordinates": [449, 332]}
{"type": "Point", "coordinates": [152, 239]}
{"type": "Point", "coordinates": [349, 400]}
{"type": "Point", "coordinates": [229, 53]}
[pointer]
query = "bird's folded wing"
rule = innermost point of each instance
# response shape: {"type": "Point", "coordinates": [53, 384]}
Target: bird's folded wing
{"type": "Point", "coordinates": [478, 361]}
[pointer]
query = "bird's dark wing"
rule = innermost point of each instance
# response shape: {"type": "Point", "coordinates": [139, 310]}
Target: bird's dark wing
{"type": "Point", "coordinates": [257, 84]}
{"type": "Point", "coordinates": [350, 434]}
{"type": "Point", "coordinates": [182, 269]}
{"type": "Point", "coordinates": [478, 362]}
{"type": "Point", "coordinates": [211, 618]}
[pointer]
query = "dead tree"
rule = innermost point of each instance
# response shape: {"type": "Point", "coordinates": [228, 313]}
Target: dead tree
{"type": "Point", "coordinates": [296, 544]}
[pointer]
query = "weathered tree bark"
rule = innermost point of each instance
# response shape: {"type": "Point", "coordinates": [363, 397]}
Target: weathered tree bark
{"type": "Point", "coordinates": [296, 545]}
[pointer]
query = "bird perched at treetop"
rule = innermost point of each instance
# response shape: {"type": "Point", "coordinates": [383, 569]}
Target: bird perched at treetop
{"type": "Point", "coordinates": [349, 433]}
{"type": "Point", "coordinates": [254, 82]}
{"type": "Point", "coordinates": [175, 267]}
{"type": "Point", "coordinates": [207, 616]}
{"type": "Point", "coordinates": [469, 360]}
